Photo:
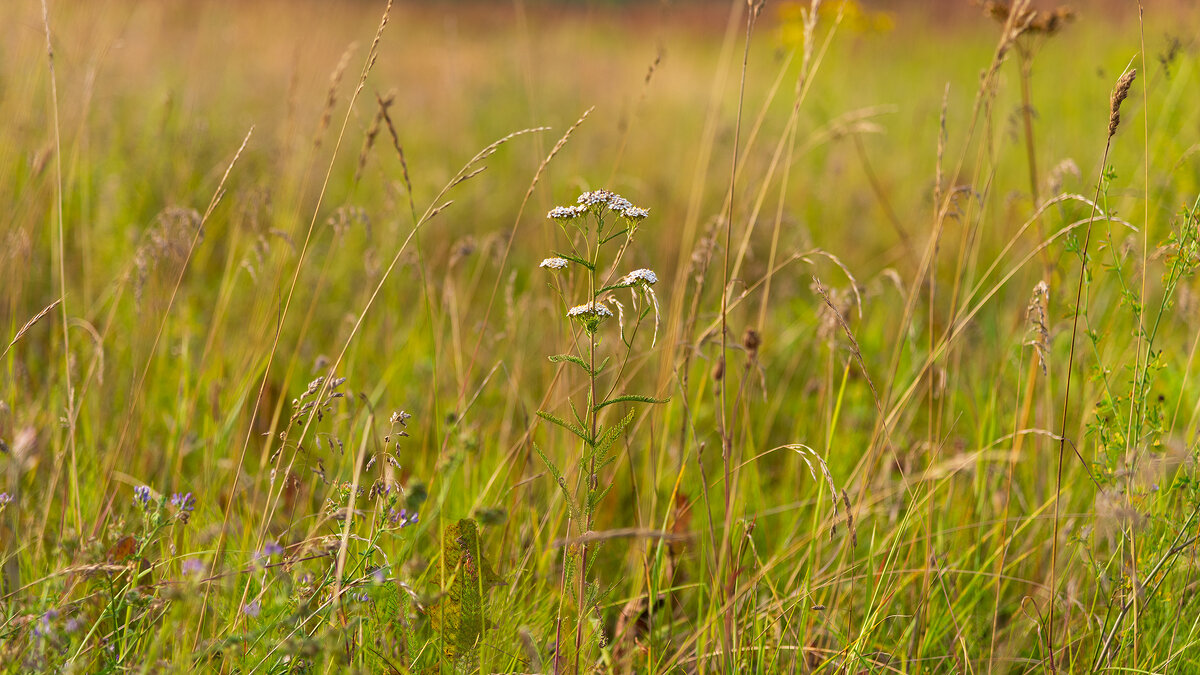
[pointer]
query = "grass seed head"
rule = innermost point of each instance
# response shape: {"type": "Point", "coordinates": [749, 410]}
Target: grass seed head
{"type": "Point", "coordinates": [1120, 92]}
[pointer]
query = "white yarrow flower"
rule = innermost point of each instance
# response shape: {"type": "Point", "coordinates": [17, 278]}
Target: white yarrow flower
{"type": "Point", "coordinates": [555, 263]}
{"type": "Point", "coordinates": [589, 309]}
{"type": "Point", "coordinates": [635, 213]}
{"type": "Point", "coordinates": [596, 197]}
{"type": "Point", "coordinates": [566, 212]}
{"type": "Point", "coordinates": [642, 277]}
{"type": "Point", "coordinates": [590, 316]}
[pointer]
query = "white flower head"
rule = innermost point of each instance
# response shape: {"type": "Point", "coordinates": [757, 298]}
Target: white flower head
{"type": "Point", "coordinates": [596, 198]}
{"type": "Point", "coordinates": [641, 277]}
{"type": "Point", "coordinates": [641, 281]}
{"type": "Point", "coordinates": [635, 214]}
{"type": "Point", "coordinates": [589, 309]}
{"type": "Point", "coordinates": [555, 263]}
{"type": "Point", "coordinates": [590, 315]}
{"type": "Point", "coordinates": [566, 212]}
{"type": "Point", "coordinates": [619, 203]}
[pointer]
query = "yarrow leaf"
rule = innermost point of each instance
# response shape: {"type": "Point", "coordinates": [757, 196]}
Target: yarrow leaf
{"type": "Point", "coordinates": [631, 398]}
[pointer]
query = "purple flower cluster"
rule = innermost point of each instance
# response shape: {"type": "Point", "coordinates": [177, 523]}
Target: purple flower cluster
{"type": "Point", "coordinates": [403, 518]}
{"type": "Point", "coordinates": [142, 497]}
{"type": "Point", "coordinates": [184, 505]}
{"type": "Point", "coordinates": [269, 550]}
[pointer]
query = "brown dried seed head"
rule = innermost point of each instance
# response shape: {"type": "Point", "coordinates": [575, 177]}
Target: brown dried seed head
{"type": "Point", "coordinates": [1120, 92]}
{"type": "Point", "coordinates": [718, 370]}
{"type": "Point", "coordinates": [751, 340]}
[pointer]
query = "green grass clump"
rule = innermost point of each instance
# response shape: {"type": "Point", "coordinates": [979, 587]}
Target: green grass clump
{"type": "Point", "coordinates": [895, 373]}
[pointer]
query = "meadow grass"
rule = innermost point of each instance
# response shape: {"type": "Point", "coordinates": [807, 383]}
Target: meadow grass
{"type": "Point", "coordinates": [908, 389]}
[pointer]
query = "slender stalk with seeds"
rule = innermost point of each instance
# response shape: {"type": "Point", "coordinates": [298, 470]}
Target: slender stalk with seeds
{"type": "Point", "coordinates": [1120, 92]}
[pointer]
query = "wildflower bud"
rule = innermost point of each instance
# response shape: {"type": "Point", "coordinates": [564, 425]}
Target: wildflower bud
{"type": "Point", "coordinates": [718, 370]}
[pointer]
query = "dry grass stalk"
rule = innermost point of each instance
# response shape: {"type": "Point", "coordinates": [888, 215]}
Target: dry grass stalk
{"type": "Point", "coordinates": [335, 80]}
{"type": "Point", "coordinates": [384, 104]}
{"type": "Point", "coordinates": [30, 324]}
{"type": "Point", "coordinates": [620, 533]}
{"type": "Point", "coordinates": [373, 132]}
{"type": "Point", "coordinates": [854, 349]}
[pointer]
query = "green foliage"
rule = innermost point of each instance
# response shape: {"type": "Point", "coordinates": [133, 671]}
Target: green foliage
{"type": "Point", "coordinates": [460, 615]}
{"type": "Point", "coordinates": [781, 476]}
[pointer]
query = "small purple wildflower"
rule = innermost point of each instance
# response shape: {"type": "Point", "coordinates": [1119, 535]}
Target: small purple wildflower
{"type": "Point", "coordinates": [183, 502]}
{"type": "Point", "coordinates": [5, 499]}
{"type": "Point", "coordinates": [142, 496]}
{"type": "Point", "coordinates": [268, 551]}
{"type": "Point", "coordinates": [44, 627]}
{"type": "Point", "coordinates": [402, 517]}
{"type": "Point", "coordinates": [193, 567]}
{"type": "Point", "coordinates": [72, 625]}
{"type": "Point", "coordinates": [184, 505]}
{"type": "Point", "coordinates": [252, 609]}
{"type": "Point", "coordinates": [379, 575]}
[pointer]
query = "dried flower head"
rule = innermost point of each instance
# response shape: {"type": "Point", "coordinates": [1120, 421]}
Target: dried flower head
{"type": "Point", "coordinates": [555, 263]}
{"type": "Point", "coordinates": [751, 341]}
{"type": "Point", "coordinates": [590, 315]}
{"type": "Point", "coordinates": [1029, 20]}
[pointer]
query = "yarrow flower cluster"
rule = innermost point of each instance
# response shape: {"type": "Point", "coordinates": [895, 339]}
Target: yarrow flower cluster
{"type": "Point", "coordinates": [642, 280]}
{"type": "Point", "coordinates": [555, 263]}
{"type": "Point", "coordinates": [599, 202]}
{"type": "Point", "coordinates": [566, 212]}
{"type": "Point", "coordinates": [590, 315]}
{"type": "Point", "coordinates": [642, 277]}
